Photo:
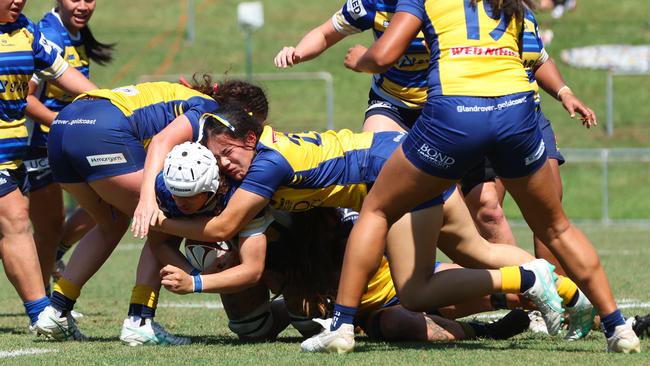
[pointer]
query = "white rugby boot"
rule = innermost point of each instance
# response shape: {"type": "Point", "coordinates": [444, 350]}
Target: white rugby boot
{"type": "Point", "coordinates": [339, 341]}
{"type": "Point", "coordinates": [149, 333]}
{"type": "Point", "coordinates": [624, 340]}
{"type": "Point", "coordinates": [544, 294]}
{"type": "Point", "coordinates": [52, 325]}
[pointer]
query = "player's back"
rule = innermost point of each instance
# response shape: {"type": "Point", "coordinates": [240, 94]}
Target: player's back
{"type": "Point", "coordinates": [473, 52]}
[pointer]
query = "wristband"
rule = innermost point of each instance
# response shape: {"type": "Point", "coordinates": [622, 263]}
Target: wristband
{"type": "Point", "coordinates": [197, 283]}
{"type": "Point", "coordinates": [559, 92]}
{"type": "Point", "coordinates": [195, 272]}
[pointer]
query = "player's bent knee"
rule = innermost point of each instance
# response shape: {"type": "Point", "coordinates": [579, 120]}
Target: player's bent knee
{"type": "Point", "coordinates": [15, 222]}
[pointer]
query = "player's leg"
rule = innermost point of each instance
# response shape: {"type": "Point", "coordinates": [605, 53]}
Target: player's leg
{"type": "Point", "coordinates": [91, 253]}
{"type": "Point", "coordinates": [460, 240]}
{"type": "Point", "coordinates": [140, 328]}
{"type": "Point", "coordinates": [483, 198]}
{"type": "Point", "coordinates": [47, 216]}
{"type": "Point", "coordinates": [540, 204]}
{"type": "Point", "coordinates": [17, 248]}
{"type": "Point", "coordinates": [76, 225]}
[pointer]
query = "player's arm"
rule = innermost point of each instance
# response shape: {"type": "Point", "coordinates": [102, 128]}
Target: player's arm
{"type": "Point", "coordinates": [165, 248]}
{"type": "Point", "coordinates": [178, 131]}
{"type": "Point", "coordinates": [549, 78]}
{"type": "Point", "coordinates": [252, 252]}
{"type": "Point", "coordinates": [73, 82]}
{"type": "Point", "coordinates": [242, 207]}
{"type": "Point", "coordinates": [310, 46]}
{"type": "Point", "coordinates": [37, 110]}
{"type": "Point", "coordinates": [388, 48]}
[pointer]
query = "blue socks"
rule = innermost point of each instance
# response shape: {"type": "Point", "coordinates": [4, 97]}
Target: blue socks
{"type": "Point", "coordinates": [527, 279]}
{"type": "Point", "coordinates": [342, 315]}
{"type": "Point", "coordinates": [611, 321]}
{"type": "Point", "coordinates": [33, 308]}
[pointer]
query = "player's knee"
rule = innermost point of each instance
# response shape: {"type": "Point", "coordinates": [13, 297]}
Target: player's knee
{"type": "Point", "coordinates": [392, 324]}
{"type": "Point", "coordinates": [490, 211]}
{"type": "Point", "coordinates": [411, 298]}
{"type": "Point", "coordinates": [15, 222]}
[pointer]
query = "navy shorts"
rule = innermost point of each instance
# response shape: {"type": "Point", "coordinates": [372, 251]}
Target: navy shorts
{"type": "Point", "coordinates": [405, 117]}
{"type": "Point", "coordinates": [456, 132]}
{"type": "Point", "coordinates": [383, 146]}
{"type": "Point", "coordinates": [91, 139]}
{"type": "Point", "coordinates": [38, 169]}
{"type": "Point", "coordinates": [12, 179]}
{"type": "Point", "coordinates": [549, 137]}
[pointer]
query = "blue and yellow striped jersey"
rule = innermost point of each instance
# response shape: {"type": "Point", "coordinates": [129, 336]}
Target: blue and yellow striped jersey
{"type": "Point", "coordinates": [534, 54]}
{"type": "Point", "coordinates": [23, 51]}
{"type": "Point", "coordinates": [473, 53]}
{"type": "Point", "coordinates": [404, 84]}
{"type": "Point", "coordinates": [305, 170]}
{"type": "Point", "coordinates": [72, 50]}
{"type": "Point", "coordinates": [150, 107]}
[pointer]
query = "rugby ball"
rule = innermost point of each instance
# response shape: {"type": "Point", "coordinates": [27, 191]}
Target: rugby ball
{"type": "Point", "coordinates": [203, 255]}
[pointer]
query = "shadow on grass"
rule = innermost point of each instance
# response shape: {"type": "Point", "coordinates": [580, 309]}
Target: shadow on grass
{"type": "Point", "coordinates": [231, 340]}
{"type": "Point", "coordinates": [520, 344]}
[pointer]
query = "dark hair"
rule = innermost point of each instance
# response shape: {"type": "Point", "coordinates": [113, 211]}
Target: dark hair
{"type": "Point", "coordinates": [309, 255]}
{"type": "Point", "coordinates": [101, 53]}
{"type": "Point", "coordinates": [510, 8]}
{"type": "Point", "coordinates": [231, 120]}
{"type": "Point", "coordinates": [232, 91]}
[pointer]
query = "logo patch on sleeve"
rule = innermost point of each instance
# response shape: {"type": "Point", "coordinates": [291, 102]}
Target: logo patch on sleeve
{"type": "Point", "coordinates": [356, 9]}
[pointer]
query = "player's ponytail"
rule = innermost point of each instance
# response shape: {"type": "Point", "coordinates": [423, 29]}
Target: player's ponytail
{"type": "Point", "coordinates": [510, 8]}
{"type": "Point", "coordinates": [232, 91]}
{"type": "Point", "coordinates": [101, 53]}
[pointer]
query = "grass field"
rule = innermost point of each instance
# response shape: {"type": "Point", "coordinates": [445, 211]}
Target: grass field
{"type": "Point", "coordinates": [104, 301]}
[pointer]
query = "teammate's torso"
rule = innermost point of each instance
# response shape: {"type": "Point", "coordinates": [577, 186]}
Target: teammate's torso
{"type": "Point", "coordinates": [305, 170]}
{"type": "Point", "coordinates": [150, 107]}
{"type": "Point", "coordinates": [22, 52]}
{"type": "Point", "coordinates": [73, 50]}
{"type": "Point", "coordinates": [472, 53]}
{"type": "Point", "coordinates": [404, 84]}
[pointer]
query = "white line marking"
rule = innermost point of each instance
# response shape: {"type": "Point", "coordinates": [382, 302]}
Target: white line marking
{"type": "Point", "coordinates": [192, 305]}
{"type": "Point", "coordinates": [25, 352]}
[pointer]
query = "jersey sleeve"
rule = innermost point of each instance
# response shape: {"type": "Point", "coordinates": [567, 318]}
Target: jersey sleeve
{"type": "Point", "coordinates": [543, 55]}
{"type": "Point", "coordinates": [258, 225]}
{"type": "Point", "coordinates": [268, 171]}
{"type": "Point", "coordinates": [414, 7]}
{"type": "Point", "coordinates": [354, 17]}
{"type": "Point", "coordinates": [194, 108]}
{"type": "Point", "coordinates": [47, 61]}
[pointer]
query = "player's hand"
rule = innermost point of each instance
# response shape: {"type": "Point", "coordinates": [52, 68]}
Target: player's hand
{"type": "Point", "coordinates": [287, 57]}
{"type": "Point", "coordinates": [160, 218]}
{"type": "Point", "coordinates": [353, 56]}
{"type": "Point", "coordinates": [176, 280]}
{"type": "Point", "coordinates": [145, 214]}
{"type": "Point", "coordinates": [572, 104]}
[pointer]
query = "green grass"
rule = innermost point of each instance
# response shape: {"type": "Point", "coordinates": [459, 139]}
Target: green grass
{"type": "Point", "coordinates": [146, 32]}
{"type": "Point", "coordinates": [104, 302]}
